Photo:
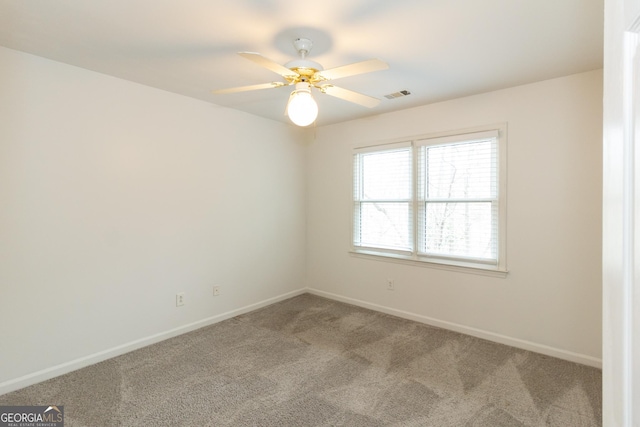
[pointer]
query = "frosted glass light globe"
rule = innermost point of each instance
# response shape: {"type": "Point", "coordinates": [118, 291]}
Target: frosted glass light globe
{"type": "Point", "coordinates": [302, 109]}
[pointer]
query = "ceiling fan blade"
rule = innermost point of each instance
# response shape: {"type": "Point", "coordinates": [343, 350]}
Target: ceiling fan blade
{"type": "Point", "coordinates": [248, 88]}
{"type": "Point", "coordinates": [349, 95]}
{"type": "Point", "coordinates": [352, 69]}
{"type": "Point", "coordinates": [269, 64]}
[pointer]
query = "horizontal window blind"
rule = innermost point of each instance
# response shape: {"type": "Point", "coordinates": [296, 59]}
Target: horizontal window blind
{"type": "Point", "coordinates": [458, 197]}
{"type": "Point", "coordinates": [433, 199]}
{"type": "Point", "coordinates": [383, 196]}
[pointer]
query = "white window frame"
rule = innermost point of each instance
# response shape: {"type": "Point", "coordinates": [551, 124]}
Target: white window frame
{"type": "Point", "coordinates": [413, 257]}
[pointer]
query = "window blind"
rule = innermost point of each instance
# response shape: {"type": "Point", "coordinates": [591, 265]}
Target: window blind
{"type": "Point", "coordinates": [438, 200]}
{"type": "Point", "coordinates": [383, 195]}
{"type": "Point", "coordinates": [458, 197]}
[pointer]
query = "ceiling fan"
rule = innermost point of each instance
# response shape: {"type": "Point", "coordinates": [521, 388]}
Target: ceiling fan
{"type": "Point", "coordinates": [306, 74]}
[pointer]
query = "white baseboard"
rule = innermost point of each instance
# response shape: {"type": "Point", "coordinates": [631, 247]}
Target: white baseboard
{"type": "Point", "coordinates": [490, 336]}
{"type": "Point", "coordinates": [45, 374]}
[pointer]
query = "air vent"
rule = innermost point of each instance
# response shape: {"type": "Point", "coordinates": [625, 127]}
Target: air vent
{"type": "Point", "coordinates": [398, 94]}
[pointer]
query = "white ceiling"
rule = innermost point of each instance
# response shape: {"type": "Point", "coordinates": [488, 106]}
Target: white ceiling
{"type": "Point", "coordinates": [436, 49]}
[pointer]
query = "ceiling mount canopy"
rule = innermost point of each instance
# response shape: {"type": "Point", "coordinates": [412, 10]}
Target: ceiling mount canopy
{"type": "Point", "coordinates": [303, 46]}
{"type": "Point", "coordinates": [305, 74]}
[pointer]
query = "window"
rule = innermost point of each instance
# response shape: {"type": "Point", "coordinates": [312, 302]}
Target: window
{"type": "Point", "coordinates": [384, 194]}
{"type": "Point", "coordinates": [433, 199]}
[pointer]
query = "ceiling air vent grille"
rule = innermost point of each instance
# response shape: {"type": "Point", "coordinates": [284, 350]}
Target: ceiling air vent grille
{"type": "Point", "coordinates": [398, 94]}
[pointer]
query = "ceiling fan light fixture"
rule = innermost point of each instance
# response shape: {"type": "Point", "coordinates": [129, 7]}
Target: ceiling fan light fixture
{"type": "Point", "coordinates": [302, 109]}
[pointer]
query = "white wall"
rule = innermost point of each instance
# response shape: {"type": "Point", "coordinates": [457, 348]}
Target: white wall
{"type": "Point", "coordinates": [550, 301]}
{"type": "Point", "coordinates": [114, 197]}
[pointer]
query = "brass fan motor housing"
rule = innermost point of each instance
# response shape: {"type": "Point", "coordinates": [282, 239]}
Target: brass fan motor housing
{"type": "Point", "coordinates": [305, 74]}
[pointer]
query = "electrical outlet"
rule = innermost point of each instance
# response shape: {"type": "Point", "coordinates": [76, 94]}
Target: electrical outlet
{"type": "Point", "coordinates": [216, 291]}
{"type": "Point", "coordinates": [391, 284]}
{"type": "Point", "coordinates": [179, 299]}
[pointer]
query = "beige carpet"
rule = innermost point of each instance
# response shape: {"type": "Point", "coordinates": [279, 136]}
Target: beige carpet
{"type": "Point", "coordinates": [309, 361]}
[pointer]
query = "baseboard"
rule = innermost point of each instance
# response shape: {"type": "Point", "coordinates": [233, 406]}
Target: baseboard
{"type": "Point", "coordinates": [490, 336]}
{"type": "Point", "coordinates": [45, 374]}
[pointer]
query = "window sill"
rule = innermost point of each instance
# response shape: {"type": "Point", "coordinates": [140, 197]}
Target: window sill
{"type": "Point", "coordinates": [458, 266]}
